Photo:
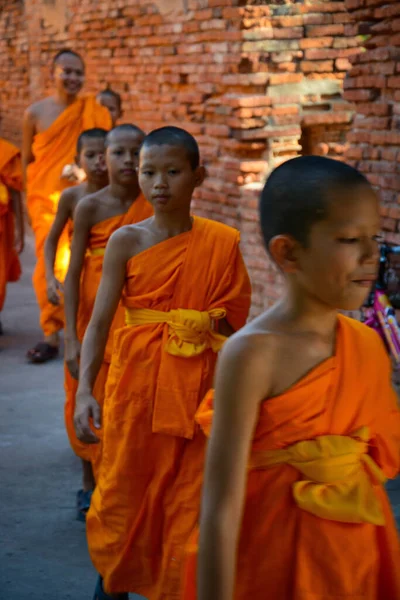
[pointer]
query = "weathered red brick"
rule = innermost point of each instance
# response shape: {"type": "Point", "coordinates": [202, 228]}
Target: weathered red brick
{"type": "Point", "coordinates": [366, 81]}
{"type": "Point", "coordinates": [288, 33]}
{"type": "Point", "coordinates": [316, 66]}
{"type": "Point", "coordinates": [287, 21]}
{"type": "Point", "coordinates": [321, 42]}
{"type": "Point", "coordinates": [324, 30]}
{"type": "Point", "coordinates": [394, 82]}
{"type": "Point", "coordinates": [342, 64]}
{"type": "Point", "coordinates": [280, 78]}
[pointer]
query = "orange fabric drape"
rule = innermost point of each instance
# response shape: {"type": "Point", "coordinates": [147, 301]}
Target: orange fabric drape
{"type": "Point", "coordinates": [52, 150]}
{"type": "Point", "coordinates": [146, 499]}
{"type": "Point", "coordinates": [318, 450]}
{"type": "Point", "coordinates": [10, 177]}
{"type": "Point", "coordinates": [90, 281]}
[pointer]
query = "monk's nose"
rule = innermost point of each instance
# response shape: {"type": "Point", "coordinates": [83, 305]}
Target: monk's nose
{"type": "Point", "coordinates": [160, 181]}
{"type": "Point", "coordinates": [371, 251]}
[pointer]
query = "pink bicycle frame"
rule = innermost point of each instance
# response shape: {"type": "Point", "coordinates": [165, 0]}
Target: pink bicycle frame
{"type": "Point", "coordinates": [382, 318]}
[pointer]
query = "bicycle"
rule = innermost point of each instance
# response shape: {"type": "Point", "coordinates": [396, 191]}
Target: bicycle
{"type": "Point", "coordinates": [378, 312]}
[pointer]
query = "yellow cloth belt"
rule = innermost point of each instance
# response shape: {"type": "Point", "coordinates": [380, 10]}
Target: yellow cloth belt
{"type": "Point", "coordinates": [338, 474]}
{"type": "Point", "coordinates": [190, 331]}
{"type": "Point", "coordinates": [95, 252]}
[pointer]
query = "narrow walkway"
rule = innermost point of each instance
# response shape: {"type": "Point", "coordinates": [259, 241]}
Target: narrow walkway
{"type": "Point", "coordinates": [43, 553]}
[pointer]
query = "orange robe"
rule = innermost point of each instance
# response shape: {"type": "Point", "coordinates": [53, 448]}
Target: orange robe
{"type": "Point", "coordinates": [144, 504]}
{"type": "Point", "coordinates": [10, 177]}
{"type": "Point", "coordinates": [53, 149]}
{"type": "Point", "coordinates": [90, 281]}
{"type": "Point", "coordinates": [288, 552]}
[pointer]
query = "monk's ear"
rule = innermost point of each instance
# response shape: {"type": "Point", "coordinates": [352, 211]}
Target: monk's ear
{"type": "Point", "coordinates": [77, 161]}
{"type": "Point", "coordinates": [284, 251]}
{"type": "Point", "coordinates": [200, 175]}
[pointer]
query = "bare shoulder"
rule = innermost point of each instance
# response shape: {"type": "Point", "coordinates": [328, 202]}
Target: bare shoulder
{"type": "Point", "coordinates": [68, 195]}
{"type": "Point", "coordinates": [250, 351]}
{"type": "Point", "coordinates": [248, 344]}
{"type": "Point", "coordinates": [129, 240]}
{"type": "Point", "coordinates": [70, 198]}
{"type": "Point", "coordinates": [86, 209]}
{"type": "Point", "coordinates": [35, 110]}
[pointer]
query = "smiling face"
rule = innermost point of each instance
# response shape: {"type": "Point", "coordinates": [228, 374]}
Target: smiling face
{"type": "Point", "coordinates": [122, 155]}
{"type": "Point", "coordinates": [339, 264]}
{"type": "Point", "coordinates": [167, 177]}
{"type": "Point", "coordinates": [92, 160]}
{"type": "Point", "coordinates": [69, 74]}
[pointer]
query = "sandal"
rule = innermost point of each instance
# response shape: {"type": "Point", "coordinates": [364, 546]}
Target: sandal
{"type": "Point", "coordinates": [42, 352]}
{"type": "Point", "coordinates": [82, 504]}
{"type": "Point", "coordinates": [100, 594]}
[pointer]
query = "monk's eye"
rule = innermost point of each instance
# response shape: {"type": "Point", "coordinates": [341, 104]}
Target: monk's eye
{"type": "Point", "coordinates": [348, 240]}
{"type": "Point", "coordinates": [147, 173]}
{"type": "Point", "coordinates": [173, 172]}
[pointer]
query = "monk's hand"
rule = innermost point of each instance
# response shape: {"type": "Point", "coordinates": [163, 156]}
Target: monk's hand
{"type": "Point", "coordinates": [72, 354]}
{"type": "Point", "coordinates": [86, 407]}
{"type": "Point", "coordinates": [54, 289]}
{"type": "Point", "coordinates": [73, 174]}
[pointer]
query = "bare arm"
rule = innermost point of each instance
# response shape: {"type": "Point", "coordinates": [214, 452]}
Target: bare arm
{"type": "Point", "coordinates": [240, 387]}
{"type": "Point", "coordinates": [72, 284]}
{"type": "Point", "coordinates": [95, 340]}
{"type": "Point", "coordinates": [64, 213]}
{"type": "Point", "coordinates": [28, 133]}
{"type": "Point", "coordinates": [82, 226]}
{"type": "Point", "coordinates": [16, 203]}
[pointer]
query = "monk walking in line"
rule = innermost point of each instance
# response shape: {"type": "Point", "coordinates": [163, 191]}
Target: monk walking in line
{"type": "Point", "coordinates": [50, 132]}
{"type": "Point", "coordinates": [113, 102]}
{"type": "Point", "coordinates": [90, 150]}
{"type": "Point", "coordinates": [96, 218]}
{"type": "Point", "coordinates": [304, 422]}
{"type": "Point", "coordinates": [184, 288]}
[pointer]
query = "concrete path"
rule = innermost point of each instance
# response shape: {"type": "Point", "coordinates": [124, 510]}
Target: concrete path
{"type": "Point", "coordinates": [43, 554]}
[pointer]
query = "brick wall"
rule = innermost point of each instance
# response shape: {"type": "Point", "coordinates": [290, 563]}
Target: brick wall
{"type": "Point", "coordinates": [373, 85]}
{"type": "Point", "coordinates": [256, 84]}
{"type": "Point", "coordinates": [14, 68]}
{"type": "Point", "coordinates": [303, 50]}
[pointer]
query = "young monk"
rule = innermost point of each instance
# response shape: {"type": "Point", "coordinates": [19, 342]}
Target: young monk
{"type": "Point", "coordinates": [11, 217]}
{"type": "Point", "coordinates": [90, 152]}
{"type": "Point", "coordinates": [185, 288]}
{"type": "Point", "coordinates": [305, 423]}
{"type": "Point", "coordinates": [112, 101]}
{"type": "Point", "coordinates": [50, 132]}
{"type": "Point", "coordinates": [97, 216]}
